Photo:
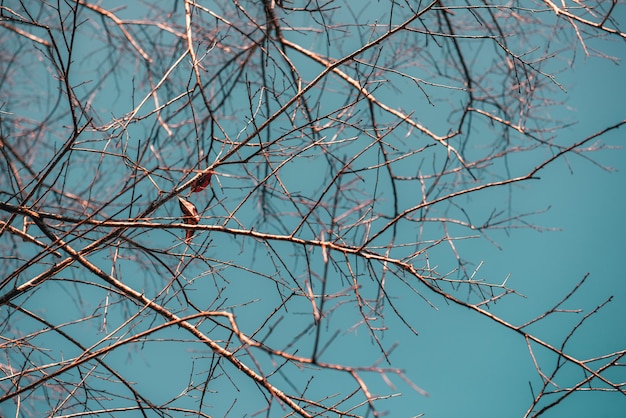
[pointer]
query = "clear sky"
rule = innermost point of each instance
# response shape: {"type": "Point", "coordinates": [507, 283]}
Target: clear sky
{"type": "Point", "coordinates": [588, 204]}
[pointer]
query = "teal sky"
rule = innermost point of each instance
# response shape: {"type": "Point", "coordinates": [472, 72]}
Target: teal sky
{"type": "Point", "coordinates": [587, 204]}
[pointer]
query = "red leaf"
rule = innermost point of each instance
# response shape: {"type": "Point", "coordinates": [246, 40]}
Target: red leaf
{"type": "Point", "coordinates": [190, 217]}
{"type": "Point", "coordinates": [202, 182]}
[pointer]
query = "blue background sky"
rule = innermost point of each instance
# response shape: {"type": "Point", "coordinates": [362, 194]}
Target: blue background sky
{"type": "Point", "coordinates": [588, 205]}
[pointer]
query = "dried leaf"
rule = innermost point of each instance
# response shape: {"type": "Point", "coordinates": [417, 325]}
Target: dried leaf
{"type": "Point", "coordinates": [190, 216]}
{"type": "Point", "coordinates": [189, 236]}
{"type": "Point", "coordinates": [189, 211]}
{"type": "Point", "coordinates": [202, 182]}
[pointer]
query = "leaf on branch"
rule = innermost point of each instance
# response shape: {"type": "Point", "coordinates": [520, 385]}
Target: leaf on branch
{"type": "Point", "coordinates": [202, 182]}
{"type": "Point", "coordinates": [190, 217]}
